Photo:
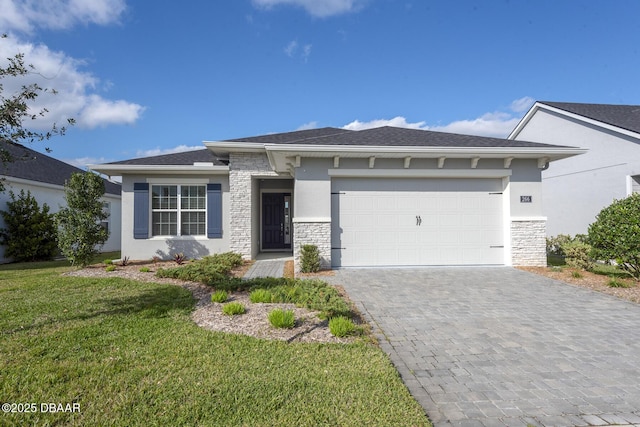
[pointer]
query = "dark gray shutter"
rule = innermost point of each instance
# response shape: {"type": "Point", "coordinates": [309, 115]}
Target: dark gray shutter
{"type": "Point", "coordinates": [140, 210]}
{"type": "Point", "coordinates": [214, 211]}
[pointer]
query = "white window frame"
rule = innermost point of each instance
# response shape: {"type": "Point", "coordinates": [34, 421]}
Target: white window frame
{"type": "Point", "coordinates": [178, 210]}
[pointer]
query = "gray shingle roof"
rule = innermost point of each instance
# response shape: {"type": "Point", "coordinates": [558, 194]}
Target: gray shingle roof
{"type": "Point", "coordinates": [183, 158]}
{"type": "Point", "coordinates": [387, 136]}
{"type": "Point", "coordinates": [623, 116]}
{"type": "Point", "coordinates": [31, 165]}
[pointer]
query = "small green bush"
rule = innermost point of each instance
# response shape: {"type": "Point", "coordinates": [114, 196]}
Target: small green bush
{"type": "Point", "coordinates": [30, 232]}
{"type": "Point", "coordinates": [211, 270]}
{"type": "Point", "coordinates": [144, 269]}
{"type": "Point", "coordinates": [341, 326]}
{"type": "Point", "coordinates": [219, 296]}
{"type": "Point", "coordinates": [233, 309]}
{"type": "Point", "coordinates": [260, 295]}
{"type": "Point", "coordinates": [578, 255]}
{"type": "Point", "coordinates": [615, 234]}
{"type": "Point", "coordinates": [615, 283]}
{"type": "Point", "coordinates": [110, 268]}
{"type": "Point", "coordinates": [309, 259]}
{"type": "Point", "coordinates": [282, 318]}
{"type": "Point", "coordinates": [108, 261]}
{"type": "Point", "coordinates": [576, 275]}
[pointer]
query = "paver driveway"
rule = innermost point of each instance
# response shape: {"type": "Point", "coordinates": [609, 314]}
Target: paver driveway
{"type": "Point", "coordinates": [500, 346]}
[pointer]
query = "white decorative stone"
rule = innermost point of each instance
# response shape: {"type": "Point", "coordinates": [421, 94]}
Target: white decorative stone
{"type": "Point", "coordinates": [528, 242]}
{"type": "Point", "coordinates": [242, 168]}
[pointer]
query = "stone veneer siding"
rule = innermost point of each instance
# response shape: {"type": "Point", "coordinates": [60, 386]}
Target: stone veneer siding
{"type": "Point", "coordinates": [242, 167]}
{"type": "Point", "coordinates": [312, 233]}
{"type": "Point", "coordinates": [528, 242]}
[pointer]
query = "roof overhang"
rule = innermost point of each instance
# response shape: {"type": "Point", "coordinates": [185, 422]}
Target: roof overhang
{"type": "Point", "coordinates": [119, 170]}
{"type": "Point", "coordinates": [542, 106]}
{"type": "Point", "coordinates": [284, 157]}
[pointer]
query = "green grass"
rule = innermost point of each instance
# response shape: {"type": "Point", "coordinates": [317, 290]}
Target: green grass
{"type": "Point", "coordinates": [233, 309]}
{"type": "Point", "coordinates": [130, 355]}
{"type": "Point", "coordinates": [280, 318]}
{"type": "Point", "coordinates": [219, 296]}
{"type": "Point", "coordinates": [260, 296]}
{"type": "Point", "coordinates": [341, 326]}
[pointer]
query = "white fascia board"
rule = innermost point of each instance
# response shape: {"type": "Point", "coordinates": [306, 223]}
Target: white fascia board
{"type": "Point", "coordinates": [538, 106]}
{"type": "Point", "coordinates": [420, 173]}
{"type": "Point", "coordinates": [521, 124]}
{"type": "Point", "coordinates": [117, 170]}
{"type": "Point", "coordinates": [234, 147]}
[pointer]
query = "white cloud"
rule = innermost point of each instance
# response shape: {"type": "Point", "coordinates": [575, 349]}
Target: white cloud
{"type": "Point", "coordinates": [25, 16]}
{"type": "Point", "coordinates": [75, 89]}
{"type": "Point", "coordinates": [398, 121]}
{"type": "Point", "coordinates": [316, 8]}
{"type": "Point", "coordinates": [306, 52]}
{"type": "Point", "coordinates": [307, 126]}
{"type": "Point", "coordinates": [291, 48]}
{"type": "Point", "coordinates": [496, 124]}
{"type": "Point", "coordinates": [160, 151]}
{"type": "Point", "coordinates": [523, 104]}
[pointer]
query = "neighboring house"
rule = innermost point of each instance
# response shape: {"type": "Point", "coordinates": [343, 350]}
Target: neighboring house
{"type": "Point", "coordinates": [45, 178]}
{"type": "Point", "coordinates": [377, 197]}
{"type": "Point", "coordinates": [576, 189]}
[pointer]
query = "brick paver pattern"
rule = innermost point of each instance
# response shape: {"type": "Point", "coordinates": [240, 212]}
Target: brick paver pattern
{"type": "Point", "coordinates": [496, 346]}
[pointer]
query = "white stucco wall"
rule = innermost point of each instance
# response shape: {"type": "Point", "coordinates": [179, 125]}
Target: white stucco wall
{"type": "Point", "coordinates": [53, 195]}
{"type": "Point", "coordinates": [192, 247]}
{"type": "Point", "coordinates": [524, 223]}
{"type": "Point", "coordinates": [574, 190]}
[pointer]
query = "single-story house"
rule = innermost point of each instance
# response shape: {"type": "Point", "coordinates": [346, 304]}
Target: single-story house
{"type": "Point", "coordinates": [378, 197]}
{"type": "Point", "coordinates": [576, 189]}
{"type": "Point", "coordinates": [45, 178]}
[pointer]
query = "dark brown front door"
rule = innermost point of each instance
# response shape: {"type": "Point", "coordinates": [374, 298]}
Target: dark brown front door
{"type": "Point", "coordinates": [273, 221]}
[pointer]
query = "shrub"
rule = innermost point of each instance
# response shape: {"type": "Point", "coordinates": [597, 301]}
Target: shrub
{"type": "Point", "coordinates": [615, 283]}
{"type": "Point", "coordinates": [341, 326]}
{"type": "Point", "coordinates": [555, 243]}
{"type": "Point", "coordinates": [578, 255]}
{"type": "Point", "coordinates": [576, 275]}
{"type": "Point", "coordinates": [110, 268]}
{"type": "Point", "coordinates": [260, 295]}
{"type": "Point", "coordinates": [30, 233]}
{"type": "Point", "coordinates": [282, 318]}
{"type": "Point", "coordinates": [615, 234]}
{"type": "Point", "coordinates": [80, 234]}
{"type": "Point", "coordinates": [210, 270]}
{"type": "Point", "coordinates": [124, 261]}
{"type": "Point", "coordinates": [309, 259]}
{"type": "Point", "coordinates": [144, 269]}
{"type": "Point", "coordinates": [219, 296]}
{"type": "Point", "coordinates": [233, 309]}
{"type": "Point", "coordinates": [108, 261]}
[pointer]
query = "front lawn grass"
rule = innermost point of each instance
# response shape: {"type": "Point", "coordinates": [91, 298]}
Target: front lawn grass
{"type": "Point", "coordinates": [129, 354]}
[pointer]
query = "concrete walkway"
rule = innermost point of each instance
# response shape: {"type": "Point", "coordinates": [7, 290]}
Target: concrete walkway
{"type": "Point", "coordinates": [503, 347]}
{"type": "Point", "coordinates": [268, 265]}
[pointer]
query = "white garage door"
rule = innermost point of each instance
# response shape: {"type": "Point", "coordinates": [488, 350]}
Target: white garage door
{"type": "Point", "coordinates": [378, 222]}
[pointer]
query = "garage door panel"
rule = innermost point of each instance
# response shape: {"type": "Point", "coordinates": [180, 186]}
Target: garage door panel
{"type": "Point", "coordinates": [417, 222]}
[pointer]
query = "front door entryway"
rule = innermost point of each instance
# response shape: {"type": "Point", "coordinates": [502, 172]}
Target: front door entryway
{"type": "Point", "coordinates": [276, 221]}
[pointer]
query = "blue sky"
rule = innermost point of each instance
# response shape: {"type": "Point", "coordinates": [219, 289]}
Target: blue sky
{"type": "Point", "coordinates": [150, 77]}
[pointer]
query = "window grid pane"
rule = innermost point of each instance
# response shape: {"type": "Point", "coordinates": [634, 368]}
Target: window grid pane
{"type": "Point", "coordinates": [165, 223]}
{"type": "Point", "coordinates": [193, 223]}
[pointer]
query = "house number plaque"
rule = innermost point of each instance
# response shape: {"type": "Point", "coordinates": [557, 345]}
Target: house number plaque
{"type": "Point", "coordinates": [525, 199]}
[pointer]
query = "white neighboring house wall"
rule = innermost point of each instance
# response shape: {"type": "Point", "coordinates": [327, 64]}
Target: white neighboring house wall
{"type": "Point", "coordinates": [576, 189]}
{"type": "Point", "coordinates": [53, 196]}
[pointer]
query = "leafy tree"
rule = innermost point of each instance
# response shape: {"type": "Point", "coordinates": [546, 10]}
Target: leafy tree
{"type": "Point", "coordinates": [30, 232]}
{"type": "Point", "coordinates": [80, 235]}
{"type": "Point", "coordinates": [615, 235]}
{"type": "Point", "coordinates": [14, 109]}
